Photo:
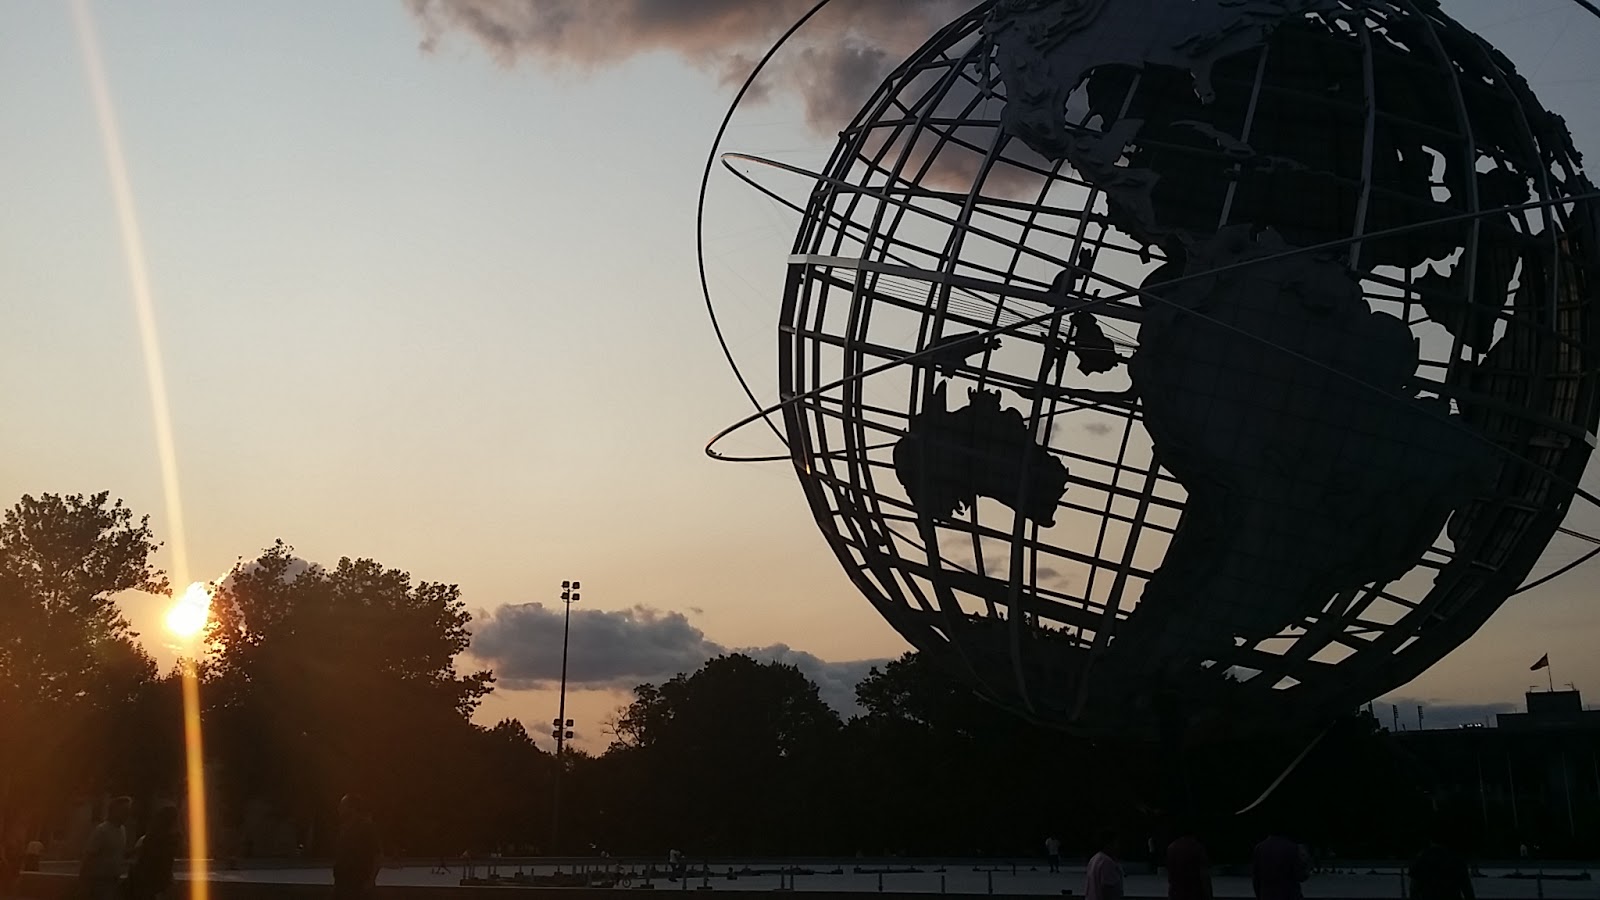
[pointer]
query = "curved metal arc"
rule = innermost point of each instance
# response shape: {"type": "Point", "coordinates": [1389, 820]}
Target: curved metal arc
{"type": "Point", "coordinates": [1572, 532]}
{"type": "Point", "coordinates": [1593, 9]}
{"type": "Point", "coordinates": [1125, 294]}
{"type": "Point", "coordinates": [1289, 770]}
{"type": "Point", "coordinates": [884, 367]}
{"type": "Point", "coordinates": [1129, 292]}
{"type": "Point", "coordinates": [844, 223]}
{"type": "Point", "coordinates": [1043, 296]}
{"type": "Point", "coordinates": [1557, 573]}
{"type": "Point", "coordinates": [900, 197]}
{"type": "Point", "coordinates": [700, 215]}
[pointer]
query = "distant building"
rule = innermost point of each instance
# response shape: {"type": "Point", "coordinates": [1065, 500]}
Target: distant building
{"type": "Point", "coordinates": [1535, 778]}
{"type": "Point", "coordinates": [1552, 711]}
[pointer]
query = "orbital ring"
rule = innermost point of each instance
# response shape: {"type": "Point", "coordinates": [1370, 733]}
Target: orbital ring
{"type": "Point", "coordinates": [700, 212]}
{"type": "Point", "coordinates": [1126, 291]}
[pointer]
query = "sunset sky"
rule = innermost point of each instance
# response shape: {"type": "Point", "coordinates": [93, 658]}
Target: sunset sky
{"type": "Point", "coordinates": [428, 295]}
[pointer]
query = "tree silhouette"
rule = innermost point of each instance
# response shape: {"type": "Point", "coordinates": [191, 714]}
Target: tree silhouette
{"type": "Point", "coordinates": [727, 755]}
{"type": "Point", "coordinates": [328, 681]}
{"type": "Point", "coordinates": [68, 659]}
{"type": "Point", "coordinates": [322, 681]}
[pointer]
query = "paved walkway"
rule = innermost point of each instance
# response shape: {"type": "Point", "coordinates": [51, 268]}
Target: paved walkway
{"type": "Point", "coordinates": [964, 880]}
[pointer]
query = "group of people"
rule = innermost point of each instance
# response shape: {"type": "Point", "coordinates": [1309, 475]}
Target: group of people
{"type": "Point", "coordinates": [148, 866]}
{"type": "Point", "coordinates": [1279, 866]}
{"type": "Point", "coordinates": [111, 870]}
{"type": "Point", "coordinates": [1188, 870]}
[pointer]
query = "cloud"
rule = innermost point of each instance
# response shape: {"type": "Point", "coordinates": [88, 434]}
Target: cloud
{"type": "Point", "coordinates": [1048, 573]}
{"type": "Point", "coordinates": [606, 648]}
{"type": "Point", "coordinates": [618, 649]}
{"type": "Point", "coordinates": [1438, 714]}
{"type": "Point", "coordinates": [291, 571]}
{"type": "Point", "coordinates": [831, 66]}
{"type": "Point", "coordinates": [842, 55]}
{"type": "Point", "coordinates": [835, 681]}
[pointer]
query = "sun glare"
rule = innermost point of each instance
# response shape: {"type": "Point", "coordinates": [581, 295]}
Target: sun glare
{"type": "Point", "coordinates": [188, 616]}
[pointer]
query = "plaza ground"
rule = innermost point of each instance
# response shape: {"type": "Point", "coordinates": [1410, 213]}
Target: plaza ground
{"type": "Point", "coordinates": [1380, 881]}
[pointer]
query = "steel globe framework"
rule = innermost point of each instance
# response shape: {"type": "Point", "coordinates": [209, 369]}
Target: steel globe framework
{"type": "Point", "coordinates": [1225, 368]}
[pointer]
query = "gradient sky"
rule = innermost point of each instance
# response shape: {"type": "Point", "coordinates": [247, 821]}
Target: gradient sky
{"type": "Point", "coordinates": [442, 311]}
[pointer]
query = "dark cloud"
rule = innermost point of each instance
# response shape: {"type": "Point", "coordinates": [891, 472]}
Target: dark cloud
{"type": "Point", "coordinates": [836, 681]}
{"type": "Point", "coordinates": [840, 58]}
{"type": "Point", "coordinates": [618, 649]}
{"type": "Point", "coordinates": [1098, 428]}
{"type": "Point", "coordinates": [832, 65]}
{"type": "Point", "coordinates": [292, 571]}
{"type": "Point", "coordinates": [1436, 714]}
{"type": "Point", "coordinates": [606, 649]}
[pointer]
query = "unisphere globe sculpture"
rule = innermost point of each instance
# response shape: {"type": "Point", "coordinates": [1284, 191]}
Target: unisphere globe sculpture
{"type": "Point", "coordinates": [1216, 365]}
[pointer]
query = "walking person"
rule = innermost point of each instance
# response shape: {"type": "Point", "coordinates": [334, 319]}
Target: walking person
{"type": "Point", "coordinates": [100, 871]}
{"type": "Point", "coordinates": [1188, 868]}
{"type": "Point", "coordinates": [355, 864]}
{"type": "Point", "coordinates": [150, 874]}
{"type": "Point", "coordinates": [1052, 852]}
{"type": "Point", "coordinates": [33, 855]}
{"type": "Point", "coordinates": [1104, 879]}
{"type": "Point", "coordinates": [1280, 867]}
{"type": "Point", "coordinates": [1441, 873]}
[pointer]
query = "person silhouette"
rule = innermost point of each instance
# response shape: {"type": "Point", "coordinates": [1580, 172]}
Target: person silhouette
{"type": "Point", "coordinates": [150, 875]}
{"type": "Point", "coordinates": [1188, 867]}
{"type": "Point", "coordinates": [355, 866]}
{"type": "Point", "coordinates": [32, 855]}
{"type": "Point", "coordinates": [100, 870]}
{"type": "Point", "coordinates": [1280, 867]}
{"type": "Point", "coordinates": [1104, 879]}
{"type": "Point", "coordinates": [1440, 872]}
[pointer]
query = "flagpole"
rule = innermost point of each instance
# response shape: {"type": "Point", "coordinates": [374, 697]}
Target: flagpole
{"type": "Point", "coordinates": [1549, 672]}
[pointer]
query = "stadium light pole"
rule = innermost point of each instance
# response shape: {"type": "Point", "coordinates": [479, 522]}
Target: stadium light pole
{"type": "Point", "coordinates": [562, 732]}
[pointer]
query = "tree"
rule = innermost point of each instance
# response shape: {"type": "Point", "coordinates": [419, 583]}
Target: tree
{"type": "Point", "coordinates": [913, 691]}
{"type": "Point", "coordinates": [68, 658]}
{"type": "Point", "coordinates": [733, 755]}
{"type": "Point", "coordinates": [327, 681]}
{"type": "Point", "coordinates": [62, 560]}
{"type": "Point", "coordinates": [509, 778]}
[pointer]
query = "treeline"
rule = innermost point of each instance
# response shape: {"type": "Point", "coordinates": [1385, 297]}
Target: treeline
{"type": "Point", "coordinates": [321, 681]}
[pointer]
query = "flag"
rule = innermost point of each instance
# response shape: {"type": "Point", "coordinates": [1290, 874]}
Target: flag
{"type": "Point", "coordinates": [1543, 663]}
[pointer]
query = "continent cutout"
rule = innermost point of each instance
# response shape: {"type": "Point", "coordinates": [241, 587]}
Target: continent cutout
{"type": "Point", "coordinates": [1214, 112]}
{"type": "Point", "coordinates": [1096, 353]}
{"type": "Point", "coordinates": [1047, 49]}
{"type": "Point", "coordinates": [1285, 407]}
{"type": "Point", "coordinates": [948, 459]}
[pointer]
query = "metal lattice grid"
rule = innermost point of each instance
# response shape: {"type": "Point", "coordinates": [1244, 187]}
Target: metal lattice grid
{"type": "Point", "coordinates": [932, 227]}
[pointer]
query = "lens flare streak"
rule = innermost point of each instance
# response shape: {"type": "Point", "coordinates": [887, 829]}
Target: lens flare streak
{"type": "Point", "coordinates": [161, 420]}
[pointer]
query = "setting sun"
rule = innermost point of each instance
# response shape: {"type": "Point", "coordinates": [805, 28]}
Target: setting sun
{"type": "Point", "coordinates": [187, 617]}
